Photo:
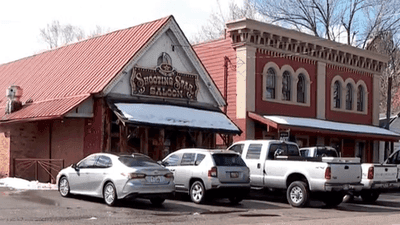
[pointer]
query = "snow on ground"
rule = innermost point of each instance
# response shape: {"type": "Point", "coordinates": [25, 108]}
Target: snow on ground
{"type": "Point", "coordinates": [18, 183]}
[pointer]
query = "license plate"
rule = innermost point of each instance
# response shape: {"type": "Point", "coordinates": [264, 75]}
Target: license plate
{"type": "Point", "coordinates": [155, 179]}
{"type": "Point", "coordinates": [234, 174]}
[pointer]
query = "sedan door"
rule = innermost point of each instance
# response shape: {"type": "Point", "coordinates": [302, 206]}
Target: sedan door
{"type": "Point", "coordinates": [79, 179]}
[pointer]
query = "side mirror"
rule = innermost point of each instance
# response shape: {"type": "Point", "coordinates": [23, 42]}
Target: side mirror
{"type": "Point", "coordinates": [74, 166]}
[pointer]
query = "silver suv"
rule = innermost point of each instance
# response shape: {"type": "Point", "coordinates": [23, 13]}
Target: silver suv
{"type": "Point", "coordinates": [211, 173]}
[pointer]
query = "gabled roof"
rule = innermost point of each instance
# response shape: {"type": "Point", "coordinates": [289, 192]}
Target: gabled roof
{"type": "Point", "coordinates": [213, 55]}
{"type": "Point", "coordinates": [58, 80]}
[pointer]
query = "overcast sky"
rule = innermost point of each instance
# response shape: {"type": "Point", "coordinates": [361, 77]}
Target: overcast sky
{"type": "Point", "coordinates": [21, 20]}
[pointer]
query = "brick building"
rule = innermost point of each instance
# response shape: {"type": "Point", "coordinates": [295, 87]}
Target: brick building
{"type": "Point", "coordinates": [280, 83]}
{"type": "Point", "coordinates": [141, 89]}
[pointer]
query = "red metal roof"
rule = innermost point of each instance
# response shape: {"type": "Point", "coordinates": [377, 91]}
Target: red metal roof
{"type": "Point", "coordinates": [60, 79]}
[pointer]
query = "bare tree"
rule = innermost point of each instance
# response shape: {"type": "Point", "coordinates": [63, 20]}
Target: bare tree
{"type": "Point", "coordinates": [215, 26]}
{"type": "Point", "coordinates": [386, 44]}
{"type": "Point", "coordinates": [360, 19]}
{"type": "Point", "coordinates": [56, 34]}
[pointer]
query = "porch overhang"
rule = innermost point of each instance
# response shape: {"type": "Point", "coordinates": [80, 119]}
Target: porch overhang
{"type": "Point", "coordinates": [144, 114]}
{"type": "Point", "coordinates": [325, 127]}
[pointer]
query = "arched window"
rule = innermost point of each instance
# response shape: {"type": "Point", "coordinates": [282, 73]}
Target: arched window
{"type": "Point", "coordinates": [336, 94]}
{"type": "Point", "coordinates": [301, 88]}
{"type": "Point", "coordinates": [286, 86]}
{"type": "Point", "coordinates": [349, 97]}
{"type": "Point", "coordinates": [360, 98]}
{"type": "Point", "coordinates": [270, 93]}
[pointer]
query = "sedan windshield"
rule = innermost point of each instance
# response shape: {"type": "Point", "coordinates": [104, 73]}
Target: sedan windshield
{"type": "Point", "coordinates": [228, 160]}
{"type": "Point", "coordinates": [137, 161]}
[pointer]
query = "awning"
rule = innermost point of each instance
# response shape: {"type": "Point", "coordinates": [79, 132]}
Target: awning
{"type": "Point", "coordinates": [325, 127]}
{"type": "Point", "coordinates": [174, 116]}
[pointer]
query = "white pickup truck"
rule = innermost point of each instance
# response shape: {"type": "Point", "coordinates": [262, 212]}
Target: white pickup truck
{"type": "Point", "coordinates": [376, 178]}
{"type": "Point", "coordinates": [394, 159]}
{"type": "Point", "coordinates": [278, 165]}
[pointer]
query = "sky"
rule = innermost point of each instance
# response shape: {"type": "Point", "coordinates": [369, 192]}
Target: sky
{"type": "Point", "coordinates": [21, 20]}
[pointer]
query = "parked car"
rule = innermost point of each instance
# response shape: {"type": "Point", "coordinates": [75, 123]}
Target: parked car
{"type": "Point", "coordinates": [318, 152]}
{"type": "Point", "coordinates": [202, 172]}
{"type": "Point", "coordinates": [376, 177]}
{"type": "Point", "coordinates": [276, 164]}
{"type": "Point", "coordinates": [117, 176]}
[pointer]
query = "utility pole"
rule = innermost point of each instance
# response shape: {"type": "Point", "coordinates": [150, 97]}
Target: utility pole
{"type": "Point", "coordinates": [388, 108]}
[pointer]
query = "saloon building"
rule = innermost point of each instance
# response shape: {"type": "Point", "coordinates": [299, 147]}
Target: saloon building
{"type": "Point", "coordinates": [281, 83]}
{"type": "Point", "coordinates": [141, 89]}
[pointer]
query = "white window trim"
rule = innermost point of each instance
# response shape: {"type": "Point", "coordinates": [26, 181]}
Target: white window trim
{"type": "Point", "coordinates": [278, 84]}
{"type": "Point", "coordinates": [343, 90]}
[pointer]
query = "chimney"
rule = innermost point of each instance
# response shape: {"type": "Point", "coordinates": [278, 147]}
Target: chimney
{"type": "Point", "coordinates": [13, 94]}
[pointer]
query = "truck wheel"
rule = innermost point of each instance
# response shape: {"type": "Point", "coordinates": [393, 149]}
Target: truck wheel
{"type": "Point", "coordinates": [297, 194]}
{"type": "Point", "coordinates": [369, 196]}
{"type": "Point", "coordinates": [333, 199]}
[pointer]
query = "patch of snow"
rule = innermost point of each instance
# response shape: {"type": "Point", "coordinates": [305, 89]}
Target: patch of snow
{"type": "Point", "coordinates": [18, 183]}
{"type": "Point", "coordinates": [175, 116]}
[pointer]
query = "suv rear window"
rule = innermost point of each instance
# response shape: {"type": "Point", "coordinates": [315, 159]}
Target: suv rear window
{"type": "Point", "coordinates": [137, 161]}
{"type": "Point", "coordinates": [228, 160]}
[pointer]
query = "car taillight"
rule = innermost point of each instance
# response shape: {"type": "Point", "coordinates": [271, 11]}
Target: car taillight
{"type": "Point", "coordinates": [134, 175]}
{"type": "Point", "coordinates": [371, 173]}
{"type": "Point", "coordinates": [328, 173]}
{"type": "Point", "coordinates": [169, 175]}
{"type": "Point", "coordinates": [213, 172]}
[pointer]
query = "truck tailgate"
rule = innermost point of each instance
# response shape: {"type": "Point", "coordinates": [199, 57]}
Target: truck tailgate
{"type": "Point", "coordinates": [382, 173]}
{"type": "Point", "coordinates": [345, 173]}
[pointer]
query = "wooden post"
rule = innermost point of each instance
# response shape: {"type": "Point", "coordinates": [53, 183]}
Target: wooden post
{"type": "Point", "coordinates": [144, 142]}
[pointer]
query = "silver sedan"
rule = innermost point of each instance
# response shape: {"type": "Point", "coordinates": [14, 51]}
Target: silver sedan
{"type": "Point", "coordinates": [117, 176]}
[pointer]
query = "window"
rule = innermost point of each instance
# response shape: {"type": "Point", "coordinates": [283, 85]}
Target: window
{"type": "Point", "coordinates": [270, 94]}
{"type": "Point", "coordinates": [188, 159]}
{"type": "Point", "coordinates": [286, 86]}
{"type": "Point", "coordinates": [199, 159]}
{"type": "Point", "coordinates": [254, 151]}
{"type": "Point", "coordinates": [287, 150]}
{"type": "Point", "coordinates": [172, 160]}
{"type": "Point", "coordinates": [360, 98]}
{"type": "Point", "coordinates": [336, 94]}
{"type": "Point", "coordinates": [301, 89]}
{"type": "Point", "coordinates": [88, 162]}
{"type": "Point", "coordinates": [103, 162]}
{"type": "Point", "coordinates": [349, 97]}
{"type": "Point", "coordinates": [137, 161]}
{"type": "Point", "coordinates": [228, 160]}
{"type": "Point", "coordinates": [237, 148]}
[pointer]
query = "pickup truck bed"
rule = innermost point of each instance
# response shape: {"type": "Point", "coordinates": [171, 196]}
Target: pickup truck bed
{"type": "Point", "coordinates": [277, 164]}
{"type": "Point", "coordinates": [376, 178]}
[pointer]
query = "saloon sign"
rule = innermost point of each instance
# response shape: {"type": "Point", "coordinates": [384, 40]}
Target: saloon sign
{"type": "Point", "coordinates": [163, 82]}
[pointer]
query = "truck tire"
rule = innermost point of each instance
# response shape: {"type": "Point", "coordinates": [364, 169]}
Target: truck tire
{"type": "Point", "coordinates": [297, 194]}
{"type": "Point", "coordinates": [369, 196]}
{"type": "Point", "coordinates": [333, 199]}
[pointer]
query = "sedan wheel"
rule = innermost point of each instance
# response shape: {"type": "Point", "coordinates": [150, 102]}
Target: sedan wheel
{"type": "Point", "coordinates": [64, 187]}
{"type": "Point", "coordinates": [197, 192]}
{"type": "Point", "coordinates": [110, 194]}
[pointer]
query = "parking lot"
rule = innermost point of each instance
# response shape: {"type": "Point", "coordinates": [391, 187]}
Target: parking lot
{"type": "Point", "coordinates": [48, 207]}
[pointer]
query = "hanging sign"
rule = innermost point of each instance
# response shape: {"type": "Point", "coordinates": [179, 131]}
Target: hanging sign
{"type": "Point", "coordinates": [163, 81]}
{"type": "Point", "coordinates": [284, 135]}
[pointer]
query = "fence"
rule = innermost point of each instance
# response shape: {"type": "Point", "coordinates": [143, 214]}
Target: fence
{"type": "Point", "coordinates": [43, 169]}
